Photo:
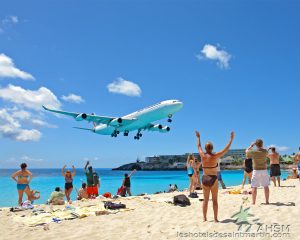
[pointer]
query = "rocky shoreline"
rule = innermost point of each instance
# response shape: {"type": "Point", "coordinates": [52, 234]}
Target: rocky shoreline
{"type": "Point", "coordinates": [143, 166]}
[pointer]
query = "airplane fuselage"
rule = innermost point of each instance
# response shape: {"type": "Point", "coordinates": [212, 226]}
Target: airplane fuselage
{"type": "Point", "coordinates": [144, 116]}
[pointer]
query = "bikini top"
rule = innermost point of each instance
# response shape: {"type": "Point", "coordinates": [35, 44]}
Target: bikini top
{"type": "Point", "coordinates": [21, 176]}
{"type": "Point", "coordinates": [69, 179]}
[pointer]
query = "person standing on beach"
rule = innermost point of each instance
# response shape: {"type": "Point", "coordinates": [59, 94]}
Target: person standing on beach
{"type": "Point", "coordinates": [190, 165]}
{"type": "Point", "coordinates": [197, 182]}
{"type": "Point", "coordinates": [274, 166]}
{"type": "Point", "coordinates": [24, 178]}
{"type": "Point", "coordinates": [260, 175]}
{"type": "Point", "coordinates": [297, 162]}
{"type": "Point", "coordinates": [68, 175]}
{"type": "Point", "coordinates": [93, 182]}
{"type": "Point", "coordinates": [220, 179]}
{"type": "Point", "coordinates": [248, 169]}
{"type": "Point", "coordinates": [210, 178]}
{"type": "Point", "coordinates": [126, 184]}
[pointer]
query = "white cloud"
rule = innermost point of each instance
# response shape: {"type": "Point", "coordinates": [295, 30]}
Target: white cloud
{"type": "Point", "coordinates": [11, 128]}
{"type": "Point", "coordinates": [9, 70]}
{"type": "Point", "coordinates": [28, 118]}
{"type": "Point", "coordinates": [125, 87]}
{"type": "Point", "coordinates": [211, 52]}
{"type": "Point", "coordinates": [28, 98]}
{"type": "Point", "coordinates": [73, 98]}
{"type": "Point", "coordinates": [10, 20]}
{"type": "Point", "coordinates": [280, 148]}
{"type": "Point", "coordinates": [28, 159]}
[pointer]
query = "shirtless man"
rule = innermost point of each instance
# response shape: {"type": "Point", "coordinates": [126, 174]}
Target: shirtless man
{"type": "Point", "coordinates": [274, 166]}
{"type": "Point", "coordinates": [210, 178]}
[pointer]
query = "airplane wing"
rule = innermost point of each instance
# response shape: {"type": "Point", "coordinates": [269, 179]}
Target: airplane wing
{"type": "Point", "coordinates": [113, 121]}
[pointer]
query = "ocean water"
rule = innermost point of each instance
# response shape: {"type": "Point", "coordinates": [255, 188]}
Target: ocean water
{"type": "Point", "coordinates": [45, 180]}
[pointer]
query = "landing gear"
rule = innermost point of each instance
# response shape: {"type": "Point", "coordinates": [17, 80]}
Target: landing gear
{"type": "Point", "coordinates": [138, 135]}
{"type": "Point", "coordinates": [126, 133]}
{"type": "Point", "coordinates": [169, 118]}
{"type": "Point", "coordinates": [115, 133]}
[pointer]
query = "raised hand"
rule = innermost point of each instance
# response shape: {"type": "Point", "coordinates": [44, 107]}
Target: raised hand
{"type": "Point", "coordinates": [232, 135]}
{"type": "Point", "coordinates": [197, 134]}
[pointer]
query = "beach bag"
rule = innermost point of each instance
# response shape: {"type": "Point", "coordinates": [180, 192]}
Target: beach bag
{"type": "Point", "coordinates": [107, 195]}
{"type": "Point", "coordinates": [121, 191]}
{"type": "Point", "coordinates": [114, 206]}
{"type": "Point", "coordinates": [193, 195]}
{"type": "Point", "coordinates": [181, 200]}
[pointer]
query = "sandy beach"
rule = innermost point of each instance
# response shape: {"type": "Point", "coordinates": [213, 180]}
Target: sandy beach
{"type": "Point", "coordinates": [152, 217]}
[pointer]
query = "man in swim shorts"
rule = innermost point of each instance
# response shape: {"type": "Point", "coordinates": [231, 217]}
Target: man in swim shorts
{"type": "Point", "coordinates": [93, 182]}
{"type": "Point", "coordinates": [274, 166]}
{"type": "Point", "coordinates": [260, 176]}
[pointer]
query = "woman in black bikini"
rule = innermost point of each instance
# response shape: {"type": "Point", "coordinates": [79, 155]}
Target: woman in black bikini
{"type": "Point", "coordinates": [248, 169]}
{"type": "Point", "coordinates": [209, 178]}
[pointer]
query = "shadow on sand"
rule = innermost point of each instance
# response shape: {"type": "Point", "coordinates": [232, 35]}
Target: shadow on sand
{"type": "Point", "coordinates": [279, 204]}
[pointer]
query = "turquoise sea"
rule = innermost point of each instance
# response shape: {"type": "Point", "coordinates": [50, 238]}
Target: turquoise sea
{"type": "Point", "coordinates": [45, 180]}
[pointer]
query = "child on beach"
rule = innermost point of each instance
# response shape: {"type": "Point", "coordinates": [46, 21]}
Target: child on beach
{"type": "Point", "coordinates": [190, 165]}
{"type": "Point", "coordinates": [34, 195]}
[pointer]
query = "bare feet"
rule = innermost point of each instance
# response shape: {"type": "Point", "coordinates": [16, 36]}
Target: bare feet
{"type": "Point", "coordinates": [267, 203]}
{"type": "Point", "coordinates": [216, 220]}
{"type": "Point", "coordinates": [204, 219]}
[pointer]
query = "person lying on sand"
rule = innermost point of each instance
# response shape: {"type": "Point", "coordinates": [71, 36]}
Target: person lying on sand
{"type": "Point", "coordinates": [210, 178]}
{"type": "Point", "coordinates": [57, 197]}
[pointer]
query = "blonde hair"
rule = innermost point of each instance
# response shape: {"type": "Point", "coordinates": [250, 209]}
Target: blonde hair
{"type": "Point", "coordinates": [191, 157]}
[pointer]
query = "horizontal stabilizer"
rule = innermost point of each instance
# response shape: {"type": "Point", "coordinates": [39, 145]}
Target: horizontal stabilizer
{"type": "Point", "coordinates": [87, 129]}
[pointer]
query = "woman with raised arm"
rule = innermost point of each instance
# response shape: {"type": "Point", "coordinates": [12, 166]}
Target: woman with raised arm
{"type": "Point", "coordinates": [24, 178]}
{"type": "Point", "coordinates": [210, 178]}
{"type": "Point", "coordinates": [68, 175]}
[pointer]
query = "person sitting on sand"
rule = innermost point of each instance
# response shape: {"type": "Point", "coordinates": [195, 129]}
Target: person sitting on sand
{"type": "Point", "coordinates": [197, 182]}
{"type": "Point", "coordinates": [126, 184]}
{"type": "Point", "coordinates": [82, 193]}
{"type": "Point", "coordinates": [34, 195]}
{"type": "Point", "coordinates": [24, 178]}
{"type": "Point", "coordinates": [260, 175]}
{"type": "Point", "coordinates": [172, 188]}
{"type": "Point", "coordinates": [57, 197]}
{"type": "Point", "coordinates": [274, 165]}
{"type": "Point", "coordinates": [68, 175]}
{"type": "Point", "coordinates": [93, 182]}
{"type": "Point", "coordinates": [210, 178]}
{"type": "Point", "coordinates": [248, 169]}
{"type": "Point", "coordinates": [220, 179]}
{"type": "Point", "coordinates": [190, 165]}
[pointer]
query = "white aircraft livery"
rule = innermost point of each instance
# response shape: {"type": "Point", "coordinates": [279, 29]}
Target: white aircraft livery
{"type": "Point", "coordinates": [137, 121]}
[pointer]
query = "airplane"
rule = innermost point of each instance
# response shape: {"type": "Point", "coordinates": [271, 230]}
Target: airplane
{"type": "Point", "coordinates": [137, 121]}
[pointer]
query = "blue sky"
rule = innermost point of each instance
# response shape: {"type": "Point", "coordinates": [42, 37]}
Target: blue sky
{"type": "Point", "coordinates": [234, 64]}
